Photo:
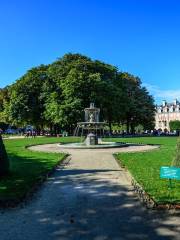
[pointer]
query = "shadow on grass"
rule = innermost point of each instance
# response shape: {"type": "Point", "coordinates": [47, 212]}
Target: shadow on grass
{"type": "Point", "coordinates": [25, 173]}
{"type": "Point", "coordinates": [88, 205]}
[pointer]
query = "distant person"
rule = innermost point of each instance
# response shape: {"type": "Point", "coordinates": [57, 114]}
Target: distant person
{"type": "Point", "coordinates": [26, 134]}
{"type": "Point", "coordinates": [33, 134]}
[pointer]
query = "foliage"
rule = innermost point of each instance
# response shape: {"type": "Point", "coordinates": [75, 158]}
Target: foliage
{"type": "Point", "coordinates": [4, 100]}
{"type": "Point", "coordinates": [3, 126]}
{"type": "Point", "coordinates": [139, 128]}
{"type": "Point", "coordinates": [26, 105]}
{"type": "Point", "coordinates": [174, 125]}
{"type": "Point", "coordinates": [55, 95]}
{"type": "Point", "coordinates": [4, 161]}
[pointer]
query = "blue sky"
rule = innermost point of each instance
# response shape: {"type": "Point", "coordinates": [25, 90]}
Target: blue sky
{"type": "Point", "coordinates": [139, 36]}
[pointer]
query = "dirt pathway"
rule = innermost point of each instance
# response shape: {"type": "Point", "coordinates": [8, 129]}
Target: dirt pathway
{"type": "Point", "coordinates": [89, 199]}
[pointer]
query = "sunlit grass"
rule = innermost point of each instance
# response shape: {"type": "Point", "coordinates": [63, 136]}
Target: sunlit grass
{"type": "Point", "coordinates": [145, 167]}
{"type": "Point", "coordinates": [28, 167]}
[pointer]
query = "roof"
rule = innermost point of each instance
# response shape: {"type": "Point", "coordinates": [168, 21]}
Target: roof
{"type": "Point", "coordinates": [172, 104]}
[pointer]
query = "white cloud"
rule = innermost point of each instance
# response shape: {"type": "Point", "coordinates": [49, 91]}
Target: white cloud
{"type": "Point", "coordinates": [159, 94]}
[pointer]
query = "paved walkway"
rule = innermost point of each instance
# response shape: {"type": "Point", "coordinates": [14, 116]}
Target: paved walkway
{"type": "Point", "coordinates": [89, 199]}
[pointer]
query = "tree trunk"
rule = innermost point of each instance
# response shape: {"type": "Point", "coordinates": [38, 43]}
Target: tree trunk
{"type": "Point", "coordinates": [132, 128]}
{"type": "Point", "coordinates": [110, 127]}
{"type": "Point", "coordinates": [51, 127]}
{"type": "Point", "coordinates": [55, 129]}
{"type": "Point", "coordinates": [127, 126]}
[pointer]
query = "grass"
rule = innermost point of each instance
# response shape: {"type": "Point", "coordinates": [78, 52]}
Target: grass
{"type": "Point", "coordinates": [27, 167]}
{"type": "Point", "coordinates": [145, 167]}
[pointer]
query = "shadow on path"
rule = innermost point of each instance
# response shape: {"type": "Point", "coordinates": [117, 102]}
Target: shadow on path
{"type": "Point", "coordinates": [87, 204]}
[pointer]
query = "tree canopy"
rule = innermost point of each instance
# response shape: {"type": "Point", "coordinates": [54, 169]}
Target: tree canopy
{"type": "Point", "coordinates": [55, 95]}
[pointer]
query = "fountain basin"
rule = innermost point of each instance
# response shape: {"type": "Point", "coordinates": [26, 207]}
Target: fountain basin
{"type": "Point", "coordinates": [100, 145]}
{"type": "Point", "coordinates": [93, 129]}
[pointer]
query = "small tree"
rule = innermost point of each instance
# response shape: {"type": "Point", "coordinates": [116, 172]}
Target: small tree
{"type": "Point", "coordinates": [4, 161]}
{"type": "Point", "coordinates": [174, 125]}
{"type": "Point", "coordinates": [176, 160]}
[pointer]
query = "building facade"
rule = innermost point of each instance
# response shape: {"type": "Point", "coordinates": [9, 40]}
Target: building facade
{"type": "Point", "coordinates": [165, 113]}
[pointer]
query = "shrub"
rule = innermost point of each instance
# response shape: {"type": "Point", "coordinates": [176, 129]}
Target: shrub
{"type": "Point", "coordinates": [176, 160]}
{"type": "Point", "coordinates": [174, 125]}
{"type": "Point", "coordinates": [4, 161]}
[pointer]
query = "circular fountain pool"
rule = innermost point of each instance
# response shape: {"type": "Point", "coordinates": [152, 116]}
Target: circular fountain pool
{"type": "Point", "coordinates": [97, 146]}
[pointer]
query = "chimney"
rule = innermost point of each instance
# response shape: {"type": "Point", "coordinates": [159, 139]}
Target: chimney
{"type": "Point", "coordinates": [164, 103]}
{"type": "Point", "coordinates": [175, 101]}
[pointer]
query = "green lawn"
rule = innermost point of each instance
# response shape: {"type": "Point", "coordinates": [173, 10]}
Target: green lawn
{"type": "Point", "coordinates": [145, 167]}
{"type": "Point", "coordinates": [27, 167]}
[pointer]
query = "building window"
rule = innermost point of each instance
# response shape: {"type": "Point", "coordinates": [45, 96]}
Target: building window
{"type": "Point", "coordinates": [160, 124]}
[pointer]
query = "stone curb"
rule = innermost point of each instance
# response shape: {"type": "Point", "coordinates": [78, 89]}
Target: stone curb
{"type": "Point", "coordinates": [143, 196]}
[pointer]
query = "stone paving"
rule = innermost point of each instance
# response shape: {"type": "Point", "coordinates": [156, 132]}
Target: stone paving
{"type": "Point", "coordinates": [90, 198]}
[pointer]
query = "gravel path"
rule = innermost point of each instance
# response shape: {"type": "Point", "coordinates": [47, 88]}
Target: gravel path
{"type": "Point", "coordinates": [88, 199]}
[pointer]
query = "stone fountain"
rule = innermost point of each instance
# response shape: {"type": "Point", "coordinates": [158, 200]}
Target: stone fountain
{"type": "Point", "coordinates": [93, 130]}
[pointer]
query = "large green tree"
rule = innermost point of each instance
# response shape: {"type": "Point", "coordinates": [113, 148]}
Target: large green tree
{"type": "Point", "coordinates": [55, 95]}
{"type": "Point", "coordinates": [135, 104]}
{"type": "Point", "coordinates": [26, 105]}
{"type": "Point", "coordinates": [79, 81]}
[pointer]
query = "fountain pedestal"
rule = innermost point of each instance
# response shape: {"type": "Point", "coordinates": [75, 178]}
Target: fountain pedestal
{"type": "Point", "coordinates": [91, 139]}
